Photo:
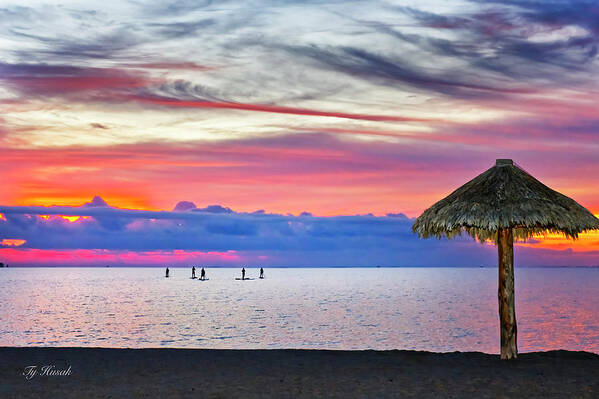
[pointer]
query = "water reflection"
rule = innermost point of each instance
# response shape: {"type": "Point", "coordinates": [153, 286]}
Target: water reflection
{"type": "Point", "coordinates": [424, 309]}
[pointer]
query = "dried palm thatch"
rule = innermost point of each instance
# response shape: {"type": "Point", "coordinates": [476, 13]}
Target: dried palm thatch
{"type": "Point", "coordinates": [501, 204]}
{"type": "Point", "coordinates": [504, 196]}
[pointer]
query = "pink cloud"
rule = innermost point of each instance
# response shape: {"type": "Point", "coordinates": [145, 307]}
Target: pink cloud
{"type": "Point", "coordinates": [177, 103]}
{"type": "Point", "coordinates": [101, 257]}
{"type": "Point", "coordinates": [190, 66]}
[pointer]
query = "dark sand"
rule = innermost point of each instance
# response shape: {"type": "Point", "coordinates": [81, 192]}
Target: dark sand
{"type": "Point", "coordinates": [139, 373]}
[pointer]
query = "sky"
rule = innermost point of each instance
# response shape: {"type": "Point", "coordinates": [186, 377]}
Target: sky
{"type": "Point", "coordinates": [290, 133]}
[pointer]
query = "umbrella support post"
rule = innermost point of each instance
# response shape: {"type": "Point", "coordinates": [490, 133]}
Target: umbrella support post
{"type": "Point", "coordinates": [507, 308]}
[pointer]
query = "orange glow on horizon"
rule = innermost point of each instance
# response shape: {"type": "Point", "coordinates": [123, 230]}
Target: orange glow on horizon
{"type": "Point", "coordinates": [65, 217]}
{"type": "Point", "coordinates": [117, 201]}
{"type": "Point", "coordinates": [586, 242]}
{"type": "Point", "coordinates": [278, 177]}
{"type": "Point", "coordinates": [12, 242]}
{"type": "Point", "coordinates": [70, 218]}
{"type": "Point", "coordinates": [279, 207]}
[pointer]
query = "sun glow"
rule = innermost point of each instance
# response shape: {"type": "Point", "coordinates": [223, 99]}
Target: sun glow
{"type": "Point", "coordinates": [64, 198]}
{"type": "Point", "coordinates": [65, 217]}
{"type": "Point", "coordinates": [586, 242]}
{"type": "Point", "coordinates": [12, 242]}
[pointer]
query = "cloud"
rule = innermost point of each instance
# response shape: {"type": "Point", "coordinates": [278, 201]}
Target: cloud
{"type": "Point", "coordinates": [91, 257]}
{"type": "Point", "coordinates": [64, 80]}
{"type": "Point", "coordinates": [520, 40]}
{"type": "Point", "coordinates": [11, 242]}
{"type": "Point", "coordinates": [95, 202]}
{"type": "Point", "coordinates": [174, 30]}
{"type": "Point", "coordinates": [284, 240]}
{"type": "Point", "coordinates": [214, 209]}
{"type": "Point", "coordinates": [96, 125]}
{"type": "Point", "coordinates": [582, 13]}
{"type": "Point", "coordinates": [182, 7]}
{"type": "Point", "coordinates": [189, 66]}
{"type": "Point", "coordinates": [122, 86]}
{"type": "Point", "coordinates": [195, 228]}
{"type": "Point", "coordinates": [183, 206]}
{"type": "Point", "coordinates": [386, 69]}
{"type": "Point", "coordinates": [103, 44]}
{"type": "Point", "coordinates": [177, 103]}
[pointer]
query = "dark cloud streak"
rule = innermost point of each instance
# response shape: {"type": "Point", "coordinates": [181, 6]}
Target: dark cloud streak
{"type": "Point", "coordinates": [499, 39]}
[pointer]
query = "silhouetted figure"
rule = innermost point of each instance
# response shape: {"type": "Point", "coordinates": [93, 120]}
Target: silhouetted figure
{"type": "Point", "coordinates": [167, 272]}
{"type": "Point", "coordinates": [203, 274]}
{"type": "Point", "coordinates": [243, 273]}
{"type": "Point", "coordinates": [261, 273]}
{"type": "Point", "coordinates": [193, 272]}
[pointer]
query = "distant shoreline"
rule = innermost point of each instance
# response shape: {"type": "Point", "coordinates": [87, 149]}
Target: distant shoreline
{"type": "Point", "coordinates": [97, 372]}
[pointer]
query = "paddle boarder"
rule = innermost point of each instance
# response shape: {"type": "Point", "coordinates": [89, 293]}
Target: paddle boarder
{"type": "Point", "coordinates": [203, 274]}
{"type": "Point", "coordinates": [166, 272]}
{"type": "Point", "coordinates": [261, 273]}
{"type": "Point", "coordinates": [193, 272]}
{"type": "Point", "coordinates": [243, 273]}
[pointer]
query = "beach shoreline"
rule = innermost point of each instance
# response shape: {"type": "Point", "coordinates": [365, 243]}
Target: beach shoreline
{"type": "Point", "coordinates": [293, 373]}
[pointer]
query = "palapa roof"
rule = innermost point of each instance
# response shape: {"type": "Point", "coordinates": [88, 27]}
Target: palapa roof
{"type": "Point", "coordinates": [505, 196]}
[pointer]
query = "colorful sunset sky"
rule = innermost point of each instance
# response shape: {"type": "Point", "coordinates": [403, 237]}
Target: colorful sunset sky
{"type": "Point", "coordinates": [285, 133]}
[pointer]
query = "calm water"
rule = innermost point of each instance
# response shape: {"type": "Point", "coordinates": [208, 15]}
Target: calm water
{"type": "Point", "coordinates": [435, 309]}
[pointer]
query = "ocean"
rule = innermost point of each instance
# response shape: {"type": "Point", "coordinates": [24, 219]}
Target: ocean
{"type": "Point", "coordinates": [432, 309]}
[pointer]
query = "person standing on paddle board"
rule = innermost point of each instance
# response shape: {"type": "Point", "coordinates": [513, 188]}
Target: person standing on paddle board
{"type": "Point", "coordinates": [203, 274]}
{"type": "Point", "coordinates": [193, 272]}
{"type": "Point", "coordinates": [243, 273]}
{"type": "Point", "coordinates": [261, 273]}
{"type": "Point", "coordinates": [166, 272]}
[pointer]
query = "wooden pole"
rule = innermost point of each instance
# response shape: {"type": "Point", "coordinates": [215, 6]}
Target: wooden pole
{"type": "Point", "coordinates": [507, 308]}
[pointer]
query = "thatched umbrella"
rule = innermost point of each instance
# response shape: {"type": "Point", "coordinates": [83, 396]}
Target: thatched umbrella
{"type": "Point", "coordinates": [502, 203]}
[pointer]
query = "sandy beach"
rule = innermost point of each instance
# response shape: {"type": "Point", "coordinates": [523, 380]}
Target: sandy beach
{"type": "Point", "coordinates": [138, 373]}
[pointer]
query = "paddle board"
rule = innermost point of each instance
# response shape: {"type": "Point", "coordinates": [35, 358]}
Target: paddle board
{"type": "Point", "coordinates": [247, 278]}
